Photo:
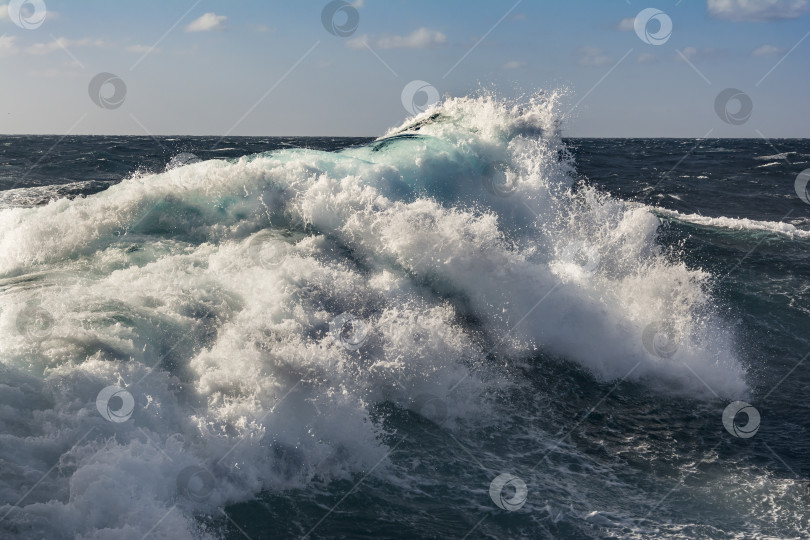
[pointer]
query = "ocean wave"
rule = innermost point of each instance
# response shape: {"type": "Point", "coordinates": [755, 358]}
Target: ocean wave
{"type": "Point", "coordinates": [216, 294]}
{"type": "Point", "coordinates": [738, 224]}
{"type": "Point", "coordinates": [41, 195]}
{"type": "Point", "coordinates": [782, 155]}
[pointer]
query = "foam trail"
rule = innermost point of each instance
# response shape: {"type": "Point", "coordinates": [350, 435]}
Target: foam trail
{"type": "Point", "coordinates": [738, 224]}
{"type": "Point", "coordinates": [207, 291]}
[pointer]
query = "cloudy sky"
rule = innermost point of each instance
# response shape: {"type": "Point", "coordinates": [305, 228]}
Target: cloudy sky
{"type": "Point", "coordinates": [311, 67]}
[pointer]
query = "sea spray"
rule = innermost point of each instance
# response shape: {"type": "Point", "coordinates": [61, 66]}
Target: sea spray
{"type": "Point", "coordinates": [207, 291]}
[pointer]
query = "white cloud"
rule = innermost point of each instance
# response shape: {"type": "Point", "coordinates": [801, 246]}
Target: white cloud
{"type": "Point", "coordinates": [593, 56]}
{"type": "Point", "coordinates": [766, 50]}
{"type": "Point", "coordinates": [695, 54]}
{"type": "Point", "coordinates": [514, 64]}
{"type": "Point", "coordinates": [645, 58]}
{"type": "Point", "coordinates": [62, 43]}
{"type": "Point", "coordinates": [358, 42]}
{"type": "Point", "coordinates": [262, 28]}
{"type": "Point", "coordinates": [141, 49]}
{"type": "Point", "coordinates": [3, 12]}
{"type": "Point", "coordinates": [209, 21]}
{"type": "Point", "coordinates": [626, 25]}
{"type": "Point", "coordinates": [422, 38]}
{"type": "Point", "coordinates": [7, 46]}
{"type": "Point", "coordinates": [757, 10]}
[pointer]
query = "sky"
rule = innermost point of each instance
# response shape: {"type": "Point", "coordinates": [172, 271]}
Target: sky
{"type": "Point", "coordinates": [628, 68]}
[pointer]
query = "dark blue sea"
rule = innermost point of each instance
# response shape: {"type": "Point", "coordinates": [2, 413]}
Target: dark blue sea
{"type": "Point", "coordinates": [471, 327]}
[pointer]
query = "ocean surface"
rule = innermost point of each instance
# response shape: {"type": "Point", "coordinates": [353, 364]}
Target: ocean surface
{"type": "Point", "coordinates": [471, 327]}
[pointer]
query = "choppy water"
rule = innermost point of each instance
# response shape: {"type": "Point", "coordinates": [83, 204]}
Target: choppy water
{"type": "Point", "coordinates": [469, 327]}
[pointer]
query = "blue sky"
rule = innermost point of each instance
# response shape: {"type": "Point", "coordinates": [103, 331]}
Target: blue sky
{"type": "Point", "coordinates": [271, 68]}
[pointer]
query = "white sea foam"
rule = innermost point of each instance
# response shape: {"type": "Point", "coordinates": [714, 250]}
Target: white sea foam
{"type": "Point", "coordinates": [783, 155]}
{"type": "Point", "coordinates": [738, 224]}
{"type": "Point", "coordinates": [207, 291]}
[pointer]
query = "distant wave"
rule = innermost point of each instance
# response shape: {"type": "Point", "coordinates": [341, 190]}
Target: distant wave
{"type": "Point", "coordinates": [40, 195]}
{"type": "Point", "coordinates": [783, 155]}
{"type": "Point", "coordinates": [739, 224]}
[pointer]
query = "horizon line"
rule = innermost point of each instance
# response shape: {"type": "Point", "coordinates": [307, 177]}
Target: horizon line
{"type": "Point", "coordinates": [223, 137]}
